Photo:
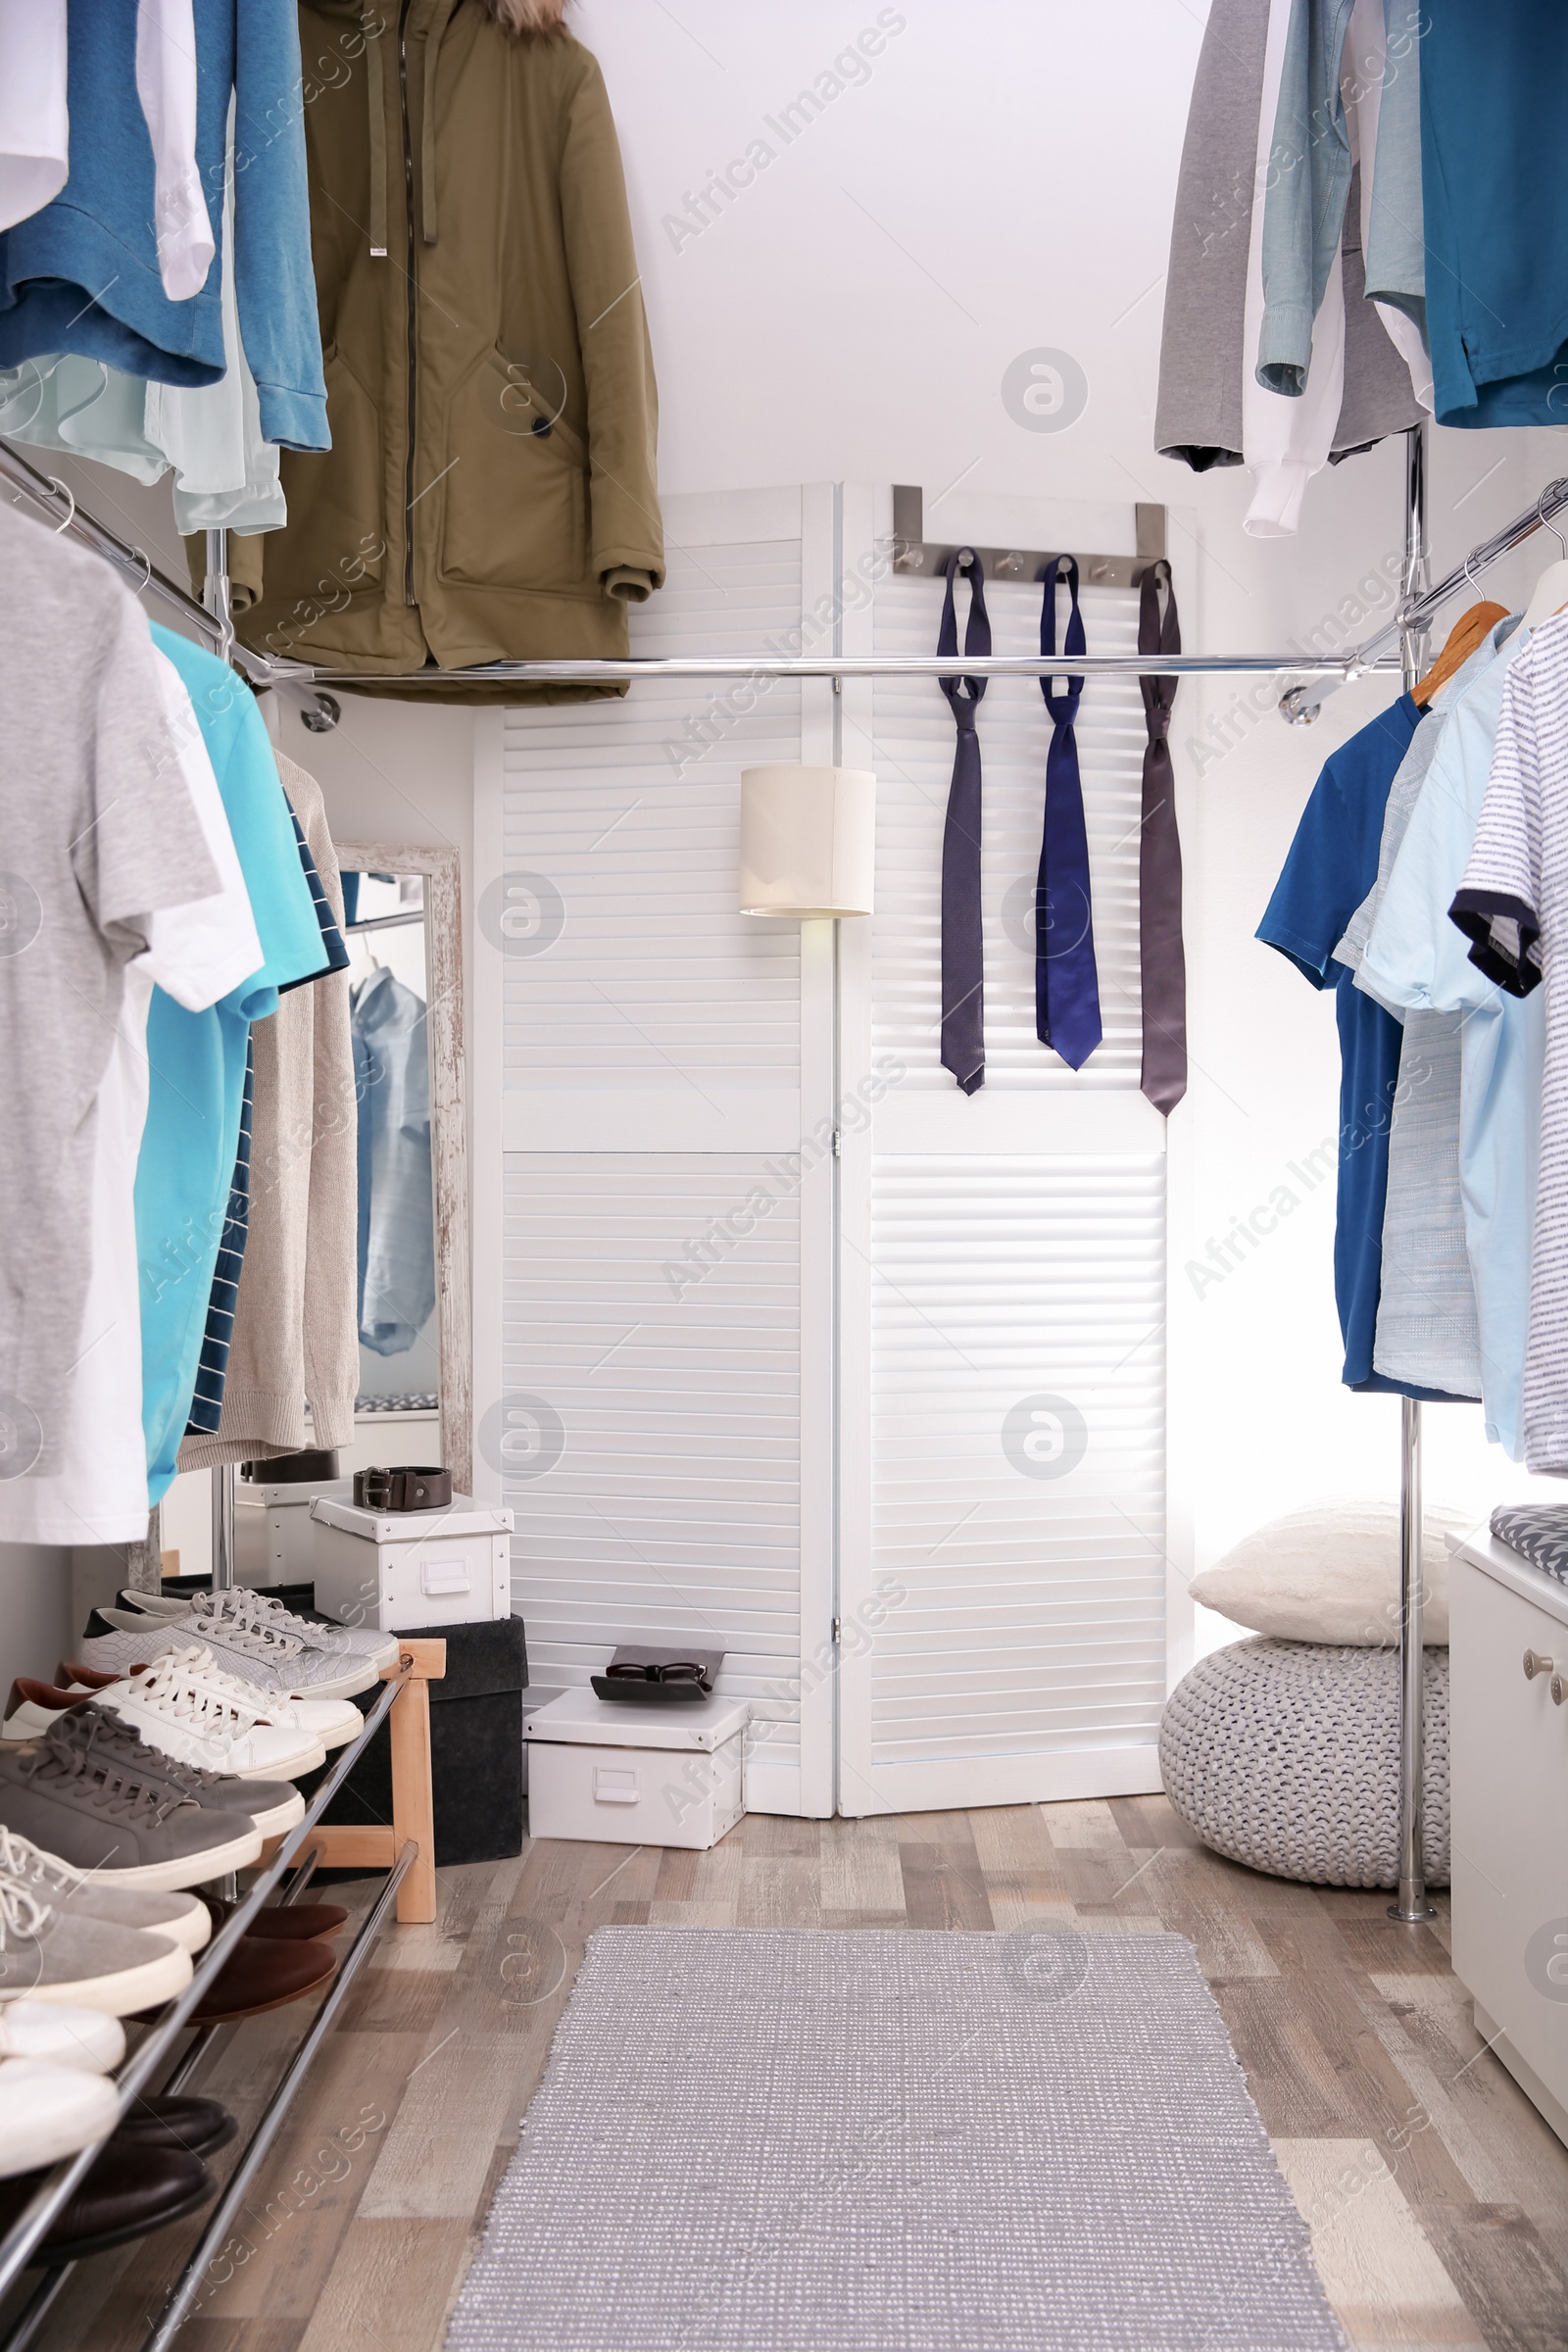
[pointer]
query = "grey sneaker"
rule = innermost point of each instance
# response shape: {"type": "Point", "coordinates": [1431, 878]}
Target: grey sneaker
{"type": "Point", "coordinates": [52, 1955]}
{"type": "Point", "coordinates": [97, 1816]}
{"type": "Point", "coordinates": [275, 1662]}
{"type": "Point", "coordinates": [273, 1805]}
{"type": "Point", "coordinates": [382, 1650]}
{"type": "Point", "coordinates": [48, 1880]}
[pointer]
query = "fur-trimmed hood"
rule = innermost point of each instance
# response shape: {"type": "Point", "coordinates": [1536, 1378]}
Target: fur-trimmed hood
{"type": "Point", "coordinates": [541, 18]}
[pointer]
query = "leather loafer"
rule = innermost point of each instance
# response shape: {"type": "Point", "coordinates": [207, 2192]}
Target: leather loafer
{"type": "Point", "coordinates": [132, 2189]}
{"type": "Point", "coordinates": [200, 2126]}
{"type": "Point", "coordinates": [301, 1923]}
{"type": "Point", "coordinates": [278, 1923]}
{"type": "Point", "coordinates": [261, 1973]}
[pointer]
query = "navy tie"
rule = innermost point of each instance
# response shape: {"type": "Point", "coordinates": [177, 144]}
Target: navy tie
{"type": "Point", "coordinates": [963, 1028]}
{"type": "Point", "coordinates": [1066, 983]}
{"type": "Point", "coordinates": [1162, 960]}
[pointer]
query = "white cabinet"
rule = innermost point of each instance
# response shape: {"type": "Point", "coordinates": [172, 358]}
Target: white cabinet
{"type": "Point", "coordinates": [1509, 1764]}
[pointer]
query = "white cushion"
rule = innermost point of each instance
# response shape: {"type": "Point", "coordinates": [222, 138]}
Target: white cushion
{"type": "Point", "coordinates": [1331, 1573]}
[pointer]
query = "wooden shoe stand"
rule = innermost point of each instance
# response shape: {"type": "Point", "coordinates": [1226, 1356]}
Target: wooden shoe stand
{"type": "Point", "coordinates": [406, 1851]}
{"type": "Point", "coordinates": [337, 1846]}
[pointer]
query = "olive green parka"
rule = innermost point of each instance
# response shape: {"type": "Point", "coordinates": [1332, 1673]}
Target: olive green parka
{"type": "Point", "coordinates": [491, 490]}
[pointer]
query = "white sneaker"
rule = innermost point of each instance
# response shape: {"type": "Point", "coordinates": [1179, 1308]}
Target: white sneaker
{"type": "Point", "coordinates": [47, 2112]}
{"type": "Point", "coordinates": [332, 1721]}
{"type": "Point", "coordinates": [324, 1648]}
{"type": "Point", "coordinates": [84, 2040]}
{"type": "Point", "coordinates": [175, 1707]}
{"type": "Point", "coordinates": [278, 1663]}
{"type": "Point", "coordinates": [334, 1641]}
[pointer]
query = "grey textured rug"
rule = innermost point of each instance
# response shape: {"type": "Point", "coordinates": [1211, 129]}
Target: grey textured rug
{"type": "Point", "coordinates": [750, 2141]}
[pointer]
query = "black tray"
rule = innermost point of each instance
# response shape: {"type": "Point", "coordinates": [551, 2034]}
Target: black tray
{"type": "Point", "coordinates": [650, 1695]}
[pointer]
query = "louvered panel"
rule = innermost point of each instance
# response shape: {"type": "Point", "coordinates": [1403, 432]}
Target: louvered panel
{"type": "Point", "coordinates": [1027, 1617]}
{"type": "Point", "coordinates": [913, 734]}
{"type": "Point", "coordinates": [628, 811]}
{"type": "Point", "coordinates": [674, 1508]}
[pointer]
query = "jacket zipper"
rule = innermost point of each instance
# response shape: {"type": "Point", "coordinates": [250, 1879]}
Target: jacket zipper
{"type": "Point", "coordinates": [413, 291]}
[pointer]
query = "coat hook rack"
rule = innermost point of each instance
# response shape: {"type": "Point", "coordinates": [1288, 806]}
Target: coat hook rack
{"type": "Point", "coordinates": [914, 553]}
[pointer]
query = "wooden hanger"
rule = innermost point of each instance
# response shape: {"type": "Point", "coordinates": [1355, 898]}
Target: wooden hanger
{"type": "Point", "coordinates": [1463, 638]}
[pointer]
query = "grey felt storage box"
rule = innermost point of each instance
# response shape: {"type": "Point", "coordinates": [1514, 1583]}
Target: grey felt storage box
{"type": "Point", "coordinates": [475, 1748]}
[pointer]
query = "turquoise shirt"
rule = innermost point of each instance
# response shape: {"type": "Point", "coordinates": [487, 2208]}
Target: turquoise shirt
{"type": "Point", "coordinates": [197, 1059]}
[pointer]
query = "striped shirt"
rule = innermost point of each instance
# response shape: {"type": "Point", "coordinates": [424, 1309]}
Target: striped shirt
{"type": "Point", "coordinates": [1512, 904]}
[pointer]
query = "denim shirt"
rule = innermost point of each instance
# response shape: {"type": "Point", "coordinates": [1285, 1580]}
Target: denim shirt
{"type": "Point", "coordinates": [82, 275]}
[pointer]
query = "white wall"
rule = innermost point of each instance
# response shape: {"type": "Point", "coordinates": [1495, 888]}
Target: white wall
{"type": "Point", "coordinates": [1002, 180]}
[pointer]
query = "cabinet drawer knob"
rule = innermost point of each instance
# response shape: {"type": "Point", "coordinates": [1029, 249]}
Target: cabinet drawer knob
{"type": "Point", "coordinates": [1536, 1664]}
{"type": "Point", "coordinates": [1559, 1690]}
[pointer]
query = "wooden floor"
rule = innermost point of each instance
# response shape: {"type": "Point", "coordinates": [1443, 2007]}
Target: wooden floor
{"type": "Point", "coordinates": [1438, 2199]}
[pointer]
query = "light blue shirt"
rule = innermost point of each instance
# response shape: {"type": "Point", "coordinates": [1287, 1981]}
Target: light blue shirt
{"type": "Point", "coordinates": [1416, 957]}
{"type": "Point", "coordinates": [197, 1059]}
{"type": "Point", "coordinates": [397, 1220]}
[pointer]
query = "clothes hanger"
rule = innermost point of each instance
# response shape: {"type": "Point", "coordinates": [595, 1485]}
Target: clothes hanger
{"type": "Point", "coordinates": [1551, 589]}
{"type": "Point", "coordinates": [1463, 638]}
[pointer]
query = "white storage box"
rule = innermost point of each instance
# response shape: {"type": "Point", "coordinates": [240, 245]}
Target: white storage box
{"type": "Point", "coordinates": [390, 1570]}
{"type": "Point", "coordinates": [275, 1535]}
{"type": "Point", "coordinates": [625, 1774]}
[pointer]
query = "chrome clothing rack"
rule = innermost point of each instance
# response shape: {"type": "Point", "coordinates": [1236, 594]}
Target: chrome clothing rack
{"type": "Point", "coordinates": [1375, 654]}
{"type": "Point", "coordinates": [1398, 646]}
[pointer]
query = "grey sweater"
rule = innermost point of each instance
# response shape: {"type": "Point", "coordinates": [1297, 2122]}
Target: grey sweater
{"type": "Point", "coordinates": [1197, 416]}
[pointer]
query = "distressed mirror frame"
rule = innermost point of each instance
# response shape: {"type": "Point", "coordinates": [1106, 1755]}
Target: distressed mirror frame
{"type": "Point", "coordinates": [449, 1147]}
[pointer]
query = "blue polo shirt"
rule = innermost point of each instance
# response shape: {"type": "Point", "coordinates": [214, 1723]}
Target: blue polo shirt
{"type": "Point", "coordinates": [1333, 863]}
{"type": "Point", "coordinates": [197, 1059]}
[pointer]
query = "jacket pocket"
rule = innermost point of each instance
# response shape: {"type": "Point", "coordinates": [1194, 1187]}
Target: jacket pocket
{"type": "Point", "coordinates": [516, 486]}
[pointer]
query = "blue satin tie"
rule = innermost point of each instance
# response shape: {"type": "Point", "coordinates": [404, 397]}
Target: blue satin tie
{"type": "Point", "coordinates": [1066, 983]}
{"type": "Point", "coordinates": [963, 1034]}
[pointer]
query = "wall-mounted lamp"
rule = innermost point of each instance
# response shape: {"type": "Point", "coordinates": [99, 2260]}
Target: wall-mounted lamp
{"type": "Point", "coordinates": [807, 841]}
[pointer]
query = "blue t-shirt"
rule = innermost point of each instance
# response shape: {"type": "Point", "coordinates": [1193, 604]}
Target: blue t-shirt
{"type": "Point", "coordinates": [1332, 865]}
{"type": "Point", "coordinates": [197, 1059]}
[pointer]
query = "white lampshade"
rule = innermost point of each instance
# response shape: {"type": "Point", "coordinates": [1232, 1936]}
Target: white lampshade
{"type": "Point", "coordinates": [807, 841]}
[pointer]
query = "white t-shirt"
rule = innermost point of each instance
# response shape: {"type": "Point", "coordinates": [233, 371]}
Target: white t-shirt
{"type": "Point", "coordinates": [198, 953]}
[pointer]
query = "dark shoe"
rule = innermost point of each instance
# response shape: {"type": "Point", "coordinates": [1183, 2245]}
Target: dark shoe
{"type": "Point", "coordinates": [132, 2189]}
{"type": "Point", "coordinates": [280, 1923]}
{"type": "Point", "coordinates": [262, 1973]}
{"type": "Point", "coordinates": [198, 2126]}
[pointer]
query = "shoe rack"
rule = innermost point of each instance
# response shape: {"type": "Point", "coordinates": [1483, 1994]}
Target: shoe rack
{"type": "Point", "coordinates": [405, 1851]}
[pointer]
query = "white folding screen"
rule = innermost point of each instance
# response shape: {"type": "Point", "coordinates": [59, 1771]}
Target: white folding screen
{"type": "Point", "coordinates": [887, 1426]}
{"type": "Point", "coordinates": [663, 1430]}
{"type": "Point", "coordinates": [1002, 1267]}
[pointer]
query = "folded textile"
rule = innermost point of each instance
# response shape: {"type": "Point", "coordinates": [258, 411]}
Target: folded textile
{"type": "Point", "coordinates": [1539, 1537]}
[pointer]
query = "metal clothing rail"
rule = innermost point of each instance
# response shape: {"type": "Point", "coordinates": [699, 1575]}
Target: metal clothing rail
{"type": "Point", "coordinates": [136, 567]}
{"type": "Point", "coordinates": [52, 2195]}
{"type": "Point", "coordinates": [1414, 613]}
{"type": "Point", "coordinates": [1376, 653]}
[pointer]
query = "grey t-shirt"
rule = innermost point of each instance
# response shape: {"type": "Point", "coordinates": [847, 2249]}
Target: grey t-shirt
{"type": "Point", "coordinates": [99, 830]}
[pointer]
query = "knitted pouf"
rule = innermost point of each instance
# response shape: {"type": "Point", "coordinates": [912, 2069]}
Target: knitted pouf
{"type": "Point", "coordinates": [1285, 1755]}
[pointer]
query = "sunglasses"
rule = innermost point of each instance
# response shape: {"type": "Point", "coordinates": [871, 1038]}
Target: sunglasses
{"type": "Point", "coordinates": [672, 1670]}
